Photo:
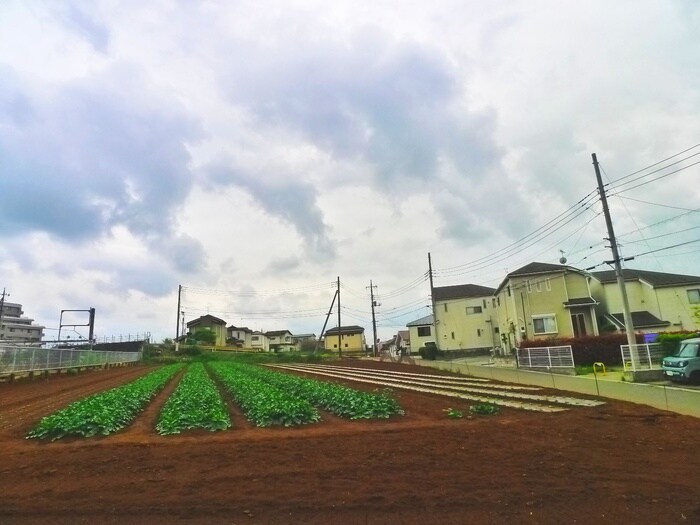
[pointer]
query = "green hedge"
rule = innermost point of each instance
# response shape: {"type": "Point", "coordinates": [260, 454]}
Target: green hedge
{"type": "Point", "coordinates": [670, 341]}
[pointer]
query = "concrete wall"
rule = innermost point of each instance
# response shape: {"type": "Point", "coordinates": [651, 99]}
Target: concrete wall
{"type": "Point", "coordinates": [675, 399]}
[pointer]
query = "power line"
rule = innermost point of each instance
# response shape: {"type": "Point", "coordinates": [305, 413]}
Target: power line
{"type": "Point", "coordinates": [654, 203]}
{"type": "Point", "coordinates": [657, 163]}
{"type": "Point", "coordinates": [651, 180]}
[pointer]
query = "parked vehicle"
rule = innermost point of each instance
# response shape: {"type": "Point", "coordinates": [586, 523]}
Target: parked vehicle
{"type": "Point", "coordinates": [685, 365]}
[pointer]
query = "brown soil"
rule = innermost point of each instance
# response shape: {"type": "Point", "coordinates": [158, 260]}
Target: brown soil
{"type": "Point", "coordinates": [616, 463]}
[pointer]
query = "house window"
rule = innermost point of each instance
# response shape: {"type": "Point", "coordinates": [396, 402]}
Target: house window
{"type": "Point", "coordinates": [508, 290]}
{"type": "Point", "coordinates": [453, 335]}
{"type": "Point", "coordinates": [539, 286]}
{"type": "Point", "coordinates": [544, 324]}
{"type": "Point", "coordinates": [346, 345]}
{"type": "Point", "coordinates": [478, 332]}
{"type": "Point", "coordinates": [484, 301]}
{"type": "Point", "coordinates": [493, 303]}
{"type": "Point", "coordinates": [335, 345]}
{"type": "Point", "coordinates": [255, 338]}
{"type": "Point", "coordinates": [445, 305]}
{"type": "Point", "coordinates": [528, 285]}
{"type": "Point", "coordinates": [498, 301]}
{"type": "Point", "coordinates": [473, 310]}
{"type": "Point", "coordinates": [694, 296]}
{"type": "Point", "coordinates": [548, 284]}
{"type": "Point", "coordinates": [496, 330]}
{"type": "Point", "coordinates": [423, 331]}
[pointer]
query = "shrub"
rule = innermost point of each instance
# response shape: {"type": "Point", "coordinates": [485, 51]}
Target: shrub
{"type": "Point", "coordinates": [429, 351]}
{"type": "Point", "coordinates": [670, 341]}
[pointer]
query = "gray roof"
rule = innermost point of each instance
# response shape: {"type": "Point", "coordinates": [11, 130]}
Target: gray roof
{"type": "Point", "coordinates": [423, 321]}
{"type": "Point", "coordinates": [580, 301]}
{"type": "Point", "coordinates": [642, 319]}
{"type": "Point", "coordinates": [656, 279]}
{"type": "Point", "coordinates": [461, 291]}
{"type": "Point", "coordinates": [537, 268]}
{"type": "Point", "coordinates": [352, 329]}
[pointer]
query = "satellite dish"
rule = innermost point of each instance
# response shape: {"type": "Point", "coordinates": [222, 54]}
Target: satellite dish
{"type": "Point", "coordinates": [562, 260]}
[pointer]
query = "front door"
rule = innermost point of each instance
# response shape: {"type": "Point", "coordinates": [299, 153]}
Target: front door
{"type": "Point", "coordinates": [579, 323]}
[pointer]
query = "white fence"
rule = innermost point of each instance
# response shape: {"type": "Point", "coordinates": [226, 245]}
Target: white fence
{"type": "Point", "coordinates": [642, 357]}
{"type": "Point", "coordinates": [15, 359]}
{"type": "Point", "coordinates": [546, 357]}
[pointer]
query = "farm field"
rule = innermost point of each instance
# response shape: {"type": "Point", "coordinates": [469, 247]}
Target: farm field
{"type": "Point", "coordinates": [579, 463]}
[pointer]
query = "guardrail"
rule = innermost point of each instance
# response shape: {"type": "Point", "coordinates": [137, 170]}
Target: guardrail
{"type": "Point", "coordinates": [18, 359]}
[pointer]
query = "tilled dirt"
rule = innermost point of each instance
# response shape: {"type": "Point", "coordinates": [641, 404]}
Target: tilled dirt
{"type": "Point", "coordinates": [615, 463]}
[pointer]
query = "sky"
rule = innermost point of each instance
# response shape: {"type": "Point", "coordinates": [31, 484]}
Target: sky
{"type": "Point", "coordinates": [253, 152]}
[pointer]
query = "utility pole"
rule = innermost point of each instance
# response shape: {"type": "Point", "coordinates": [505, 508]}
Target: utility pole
{"type": "Point", "coordinates": [374, 320]}
{"type": "Point", "coordinates": [340, 349]}
{"type": "Point", "coordinates": [432, 301]}
{"type": "Point", "coordinates": [177, 323]}
{"type": "Point", "coordinates": [2, 304]}
{"type": "Point", "coordinates": [629, 327]}
{"type": "Point", "coordinates": [330, 311]}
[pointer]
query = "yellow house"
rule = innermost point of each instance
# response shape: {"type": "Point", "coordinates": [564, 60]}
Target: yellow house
{"type": "Point", "coordinates": [421, 331]}
{"type": "Point", "coordinates": [541, 301]}
{"type": "Point", "coordinates": [352, 338]}
{"type": "Point", "coordinates": [209, 322]}
{"type": "Point", "coordinates": [464, 317]}
{"type": "Point", "coordinates": [658, 301]}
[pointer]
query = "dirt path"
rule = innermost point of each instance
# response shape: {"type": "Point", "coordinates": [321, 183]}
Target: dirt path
{"type": "Point", "coordinates": [616, 463]}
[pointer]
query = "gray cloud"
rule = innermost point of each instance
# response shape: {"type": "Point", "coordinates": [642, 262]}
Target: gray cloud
{"type": "Point", "coordinates": [99, 153]}
{"type": "Point", "coordinates": [294, 202]}
{"type": "Point", "coordinates": [393, 104]}
{"type": "Point", "coordinates": [79, 21]}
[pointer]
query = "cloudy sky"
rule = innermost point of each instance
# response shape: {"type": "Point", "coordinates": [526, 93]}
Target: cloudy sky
{"type": "Point", "coordinates": [254, 151]}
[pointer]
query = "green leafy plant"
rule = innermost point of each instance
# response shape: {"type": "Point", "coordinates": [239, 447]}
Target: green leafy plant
{"type": "Point", "coordinates": [106, 412]}
{"type": "Point", "coordinates": [263, 404]}
{"type": "Point", "coordinates": [485, 409]}
{"type": "Point", "coordinates": [453, 413]}
{"type": "Point", "coordinates": [336, 399]}
{"type": "Point", "coordinates": [195, 403]}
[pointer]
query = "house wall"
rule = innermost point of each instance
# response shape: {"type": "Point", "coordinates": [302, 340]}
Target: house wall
{"type": "Point", "coordinates": [259, 342]}
{"type": "Point", "coordinates": [458, 329]}
{"type": "Point", "coordinates": [542, 295]}
{"type": "Point", "coordinates": [348, 342]}
{"type": "Point", "coordinates": [668, 304]}
{"type": "Point", "coordinates": [419, 341]}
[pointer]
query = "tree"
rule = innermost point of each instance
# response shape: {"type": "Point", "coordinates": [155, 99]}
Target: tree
{"type": "Point", "coordinates": [203, 336]}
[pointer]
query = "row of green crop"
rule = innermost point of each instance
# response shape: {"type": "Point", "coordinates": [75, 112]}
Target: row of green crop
{"type": "Point", "coordinates": [332, 397]}
{"type": "Point", "coordinates": [105, 412]}
{"type": "Point", "coordinates": [266, 397]}
{"type": "Point", "coordinates": [195, 403]}
{"type": "Point", "coordinates": [263, 405]}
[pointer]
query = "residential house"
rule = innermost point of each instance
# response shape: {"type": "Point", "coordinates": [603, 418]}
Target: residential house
{"type": "Point", "coordinates": [305, 341]}
{"type": "Point", "coordinates": [403, 341]}
{"type": "Point", "coordinates": [238, 336]}
{"type": "Point", "coordinates": [15, 327]}
{"type": "Point", "coordinates": [658, 301]}
{"type": "Point", "coordinates": [209, 322]}
{"type": "Point", "coordinates": [464, 317]}
{"type": "Point", "coordinates": [542, 300]}
{"type": "Point", "coordinates": [421, 331]}
{"type": "Point", "coordinates": [259, 342]}
{"type": "Point", "coordinates": [352, 338]}
{"type": "Point", "coordinates": [280, 341]}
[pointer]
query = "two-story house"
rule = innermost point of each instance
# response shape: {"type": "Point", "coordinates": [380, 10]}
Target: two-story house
{"type": "Point", "coordinates": [280, 341]}
{"type": "Point", "coordinates": [658, 301]}
{"type": "Point", "coordinates": [352, 338]}
{"type": "Point", "coordinates": [259, 341]}
{"type": "Point", "coordinates": [464, 317]}
{"type": "Point", "coordinates": [543, 300]}
{"type": "Point", "coordinates": [209, 322]}
{"type": "Point", "coordinates": [238, 336]}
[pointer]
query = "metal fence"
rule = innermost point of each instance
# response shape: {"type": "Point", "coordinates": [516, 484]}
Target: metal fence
{"type": "Point", "coordinates": [642, 357]}
{"type": "Point", "coordinates": [15, 359]}
{"type": "Point", "coordinates": [546, 357]}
